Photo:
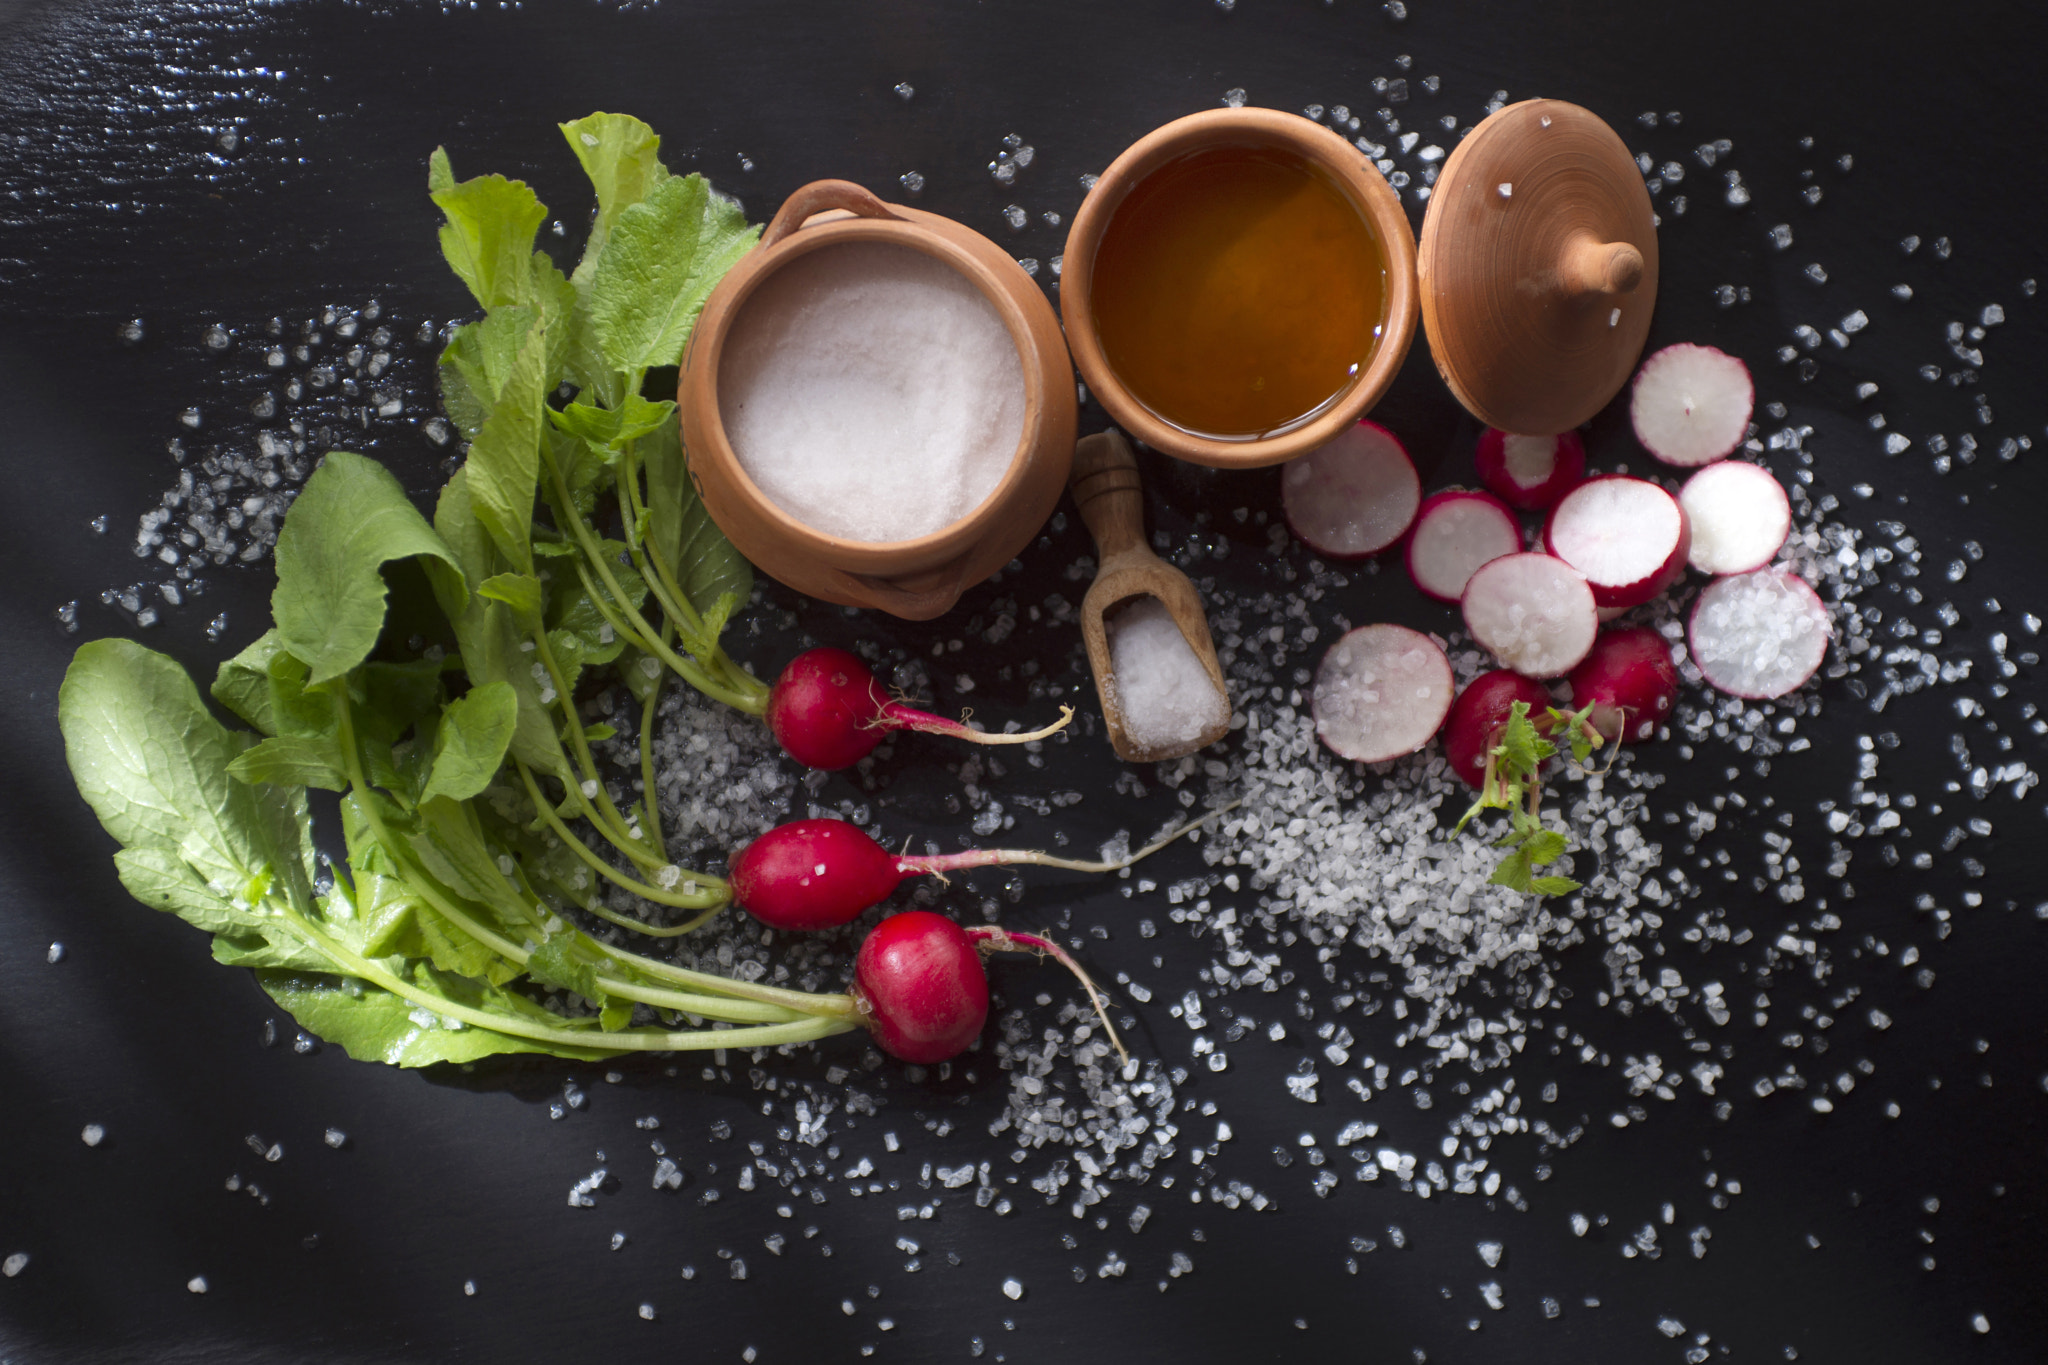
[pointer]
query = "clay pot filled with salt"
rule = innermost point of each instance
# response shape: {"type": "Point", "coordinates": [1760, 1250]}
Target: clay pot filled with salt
{"type": "Point", "coordinates": [877, 403]}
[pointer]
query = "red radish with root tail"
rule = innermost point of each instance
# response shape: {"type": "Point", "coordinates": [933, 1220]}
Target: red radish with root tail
{"type": "Point", "coordinates": [1739, 516]}
{"type": "Point", "coordinates": [1629, 682]}
{"type": "Point", "coordinates": [829, 712]}
{"type": "Point", "coordinates": [1533, 612]}
{"type": "Point", "coordinates": [819, 874]}
{"type": "Point", "coordinates": [1381, 692]}
{"type": "Point", "coordinates": [1758, 635]}
{"type": "Point", "coordinates": [1479, 713]}
{"type": "Point", "coordinates": [1627, 536]}
{"type": "Point", "coordinates": [1530, 472]}
{"type": "Point", "coordinates": [921, 989]}
{"type": "Point", "coordinates": [1691, 404]}
{"type": "Point", "coordinates": [1354, 496]}
{"type": "Point", "coordinates": [1455, 532]}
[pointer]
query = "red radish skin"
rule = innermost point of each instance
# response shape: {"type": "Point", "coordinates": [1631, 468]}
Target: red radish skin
{"type": "Point", "coordinates": [1381, 692]}
{"type": "Point", "coordinates": [1626, 535]}
{"type": "Point", "coordinates": [1532, 612]}
{"type": "Point", "coordinates": [1530, 472]}
{"type": "Point", "coordinates": [1473, 727]}
{"type": "Point", "coordinates": [1353, 497]}
{"type": "Point", "coordinates": [919, 984]}
{"type": "Point", "coordinates": [1454, 533]}
{"type": "Point", "coordinates": [1758, 635]}
{"type": "Point", "coordinates": [922, 991]}
{"type": "Point", "coordinates": [1739, 516]}
{"type": "Point", "coordinates": [819, 874]}
{"type": "Point", "coordinates": [829, 712]}
{"type": "Point", "coordinates": [1630, 683]}
{"type": "Point", "coordinates": [1691, 404]}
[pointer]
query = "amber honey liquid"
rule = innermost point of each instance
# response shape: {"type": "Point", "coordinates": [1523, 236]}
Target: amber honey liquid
{"type": "Point", "coordinates": [1237, 290]}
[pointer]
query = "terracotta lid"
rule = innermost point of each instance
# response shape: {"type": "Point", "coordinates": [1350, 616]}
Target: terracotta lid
{"type": "Point", "coordinates": [1538, 267]}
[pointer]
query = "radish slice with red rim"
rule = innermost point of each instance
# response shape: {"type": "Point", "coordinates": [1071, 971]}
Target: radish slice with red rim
{"type": "Point", "coordinates": [1739, 516]}
{"type": "Point", "coordinates": [1533, 612]}
{"type": "Point", "coordinates": [1354, 496]}
{"type": "Point", "coordinates": [1530, 472]}
{"type": "Point", "coordinates": [1691, 404]}
{"type": "Point", "coordinates": [1627, 536]}
{"type": "Point", "coordinates": [1456, 532]}
{"type": "Point", "coordinates": [1758, 635]}
{"type": "Point", "coordinates": [1381, 692]}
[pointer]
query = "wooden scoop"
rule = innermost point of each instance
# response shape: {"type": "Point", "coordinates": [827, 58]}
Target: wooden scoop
{"type": "Point", "coordinates": [1107, 490]}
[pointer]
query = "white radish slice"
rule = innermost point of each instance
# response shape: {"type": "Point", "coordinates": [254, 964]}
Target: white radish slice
{"type": "Point", "coordinates": [1691, 404]}
{"type": "Point", "coordinates": [1381, 692]}
{"type": "Point", "coordinates": [1758, 635]}
{"type": "Point", "coordinates": [1354, 496]}
{"type": "Point", "coordinates": [1456, 532]}
{"type": "Point", "coordinates": [1627, 536]}
{"type": "Point", "coordinates": [1739, 515]}
{"type": "Point", "coordinates": [1530, 472]}
{"type": "Point", "coordinates": [1533, 612]}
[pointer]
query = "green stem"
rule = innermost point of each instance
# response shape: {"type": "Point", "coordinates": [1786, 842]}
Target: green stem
{"type": "Point", "coordinates": [604, 814]}
{"type": "Point", "coordinates": [650, 798]}
{"type": "Point", "coordinates": [684, 900]}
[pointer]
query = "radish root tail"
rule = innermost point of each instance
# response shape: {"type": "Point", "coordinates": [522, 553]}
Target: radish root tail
{"type": "Point", "coordinates": [989, 939]}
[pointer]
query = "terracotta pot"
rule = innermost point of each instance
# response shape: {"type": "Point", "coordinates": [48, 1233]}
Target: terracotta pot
{"type": "Point", "coordinates": [914, 579]}
{"type": "Point", "coordinates": [1360, 181]}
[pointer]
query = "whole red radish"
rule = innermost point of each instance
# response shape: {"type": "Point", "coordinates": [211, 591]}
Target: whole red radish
{"type": "Point", "coordinates": [829, 712]}
{"type": "Point", "coordinates": [819, 874]}
{"type": "Point", "coordinates": [1455, 532]}
{"type": "Point", "coordinates": [1626, 535]}
{"type": "Point", "coordinates": [1530, 472]}
{"type": "Point", "coordinates": [919, 981]}
{"type": "Point", "coordinates": [1629, 681]}
{"type": "Point", "coordinates": [1474, 725]}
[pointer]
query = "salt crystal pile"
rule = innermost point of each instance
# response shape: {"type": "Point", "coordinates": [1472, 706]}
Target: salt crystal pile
{"type": "Point", "coordinates": [1167, 696]}
{"type": "Point", "coordinates": [872, 392]}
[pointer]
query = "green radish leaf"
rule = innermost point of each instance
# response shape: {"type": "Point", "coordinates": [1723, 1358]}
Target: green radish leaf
{"type": "Point", "coordinates": [1553, 886]}
{"type": "Point", "coordinates": [612, 427]}
{"type": "Point", "coordinates": [552, 965]}
{"type": "Point", "coordinates": [599, 733]}
{"type": "Point", "coordinates": [519, 591]}
{"type": "Point", "coordinates": [470, 742]}
{"type": "Point", "coordinates": [477, 361]}
{"type": "Point", "coordinates": [292, 761]}
{"type": "Point", "coordinates": [242, 684]}
{"type": "Point", "coordinates": [504, 460]}
{"type": "Point", "coordinates": [1545, 846]}
{"type": "Point", "coordinates": [351, 518]}
{"type": "Point", "coordinates": [660, 261]}
{"type": "Point", "coordinates": [621, 155]}
{"type": "Point", "coordinates": [276, 948]}
{"type": "Point", "coordinates": [488, 238]}
{"type": "Point", "coordinates": [373, 1025]}
{"type": "Point", "coordinates": [681, 532]}
{"type": "Point", "coordinates": [455, 521]}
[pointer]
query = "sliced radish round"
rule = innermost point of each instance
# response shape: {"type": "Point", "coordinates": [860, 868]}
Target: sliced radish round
{"type": "Point", "coordinates": [1534, 613]}
{"type": "Point", "coordinates": [1530, 472]}
{"type": "Point", "coordinates": [1354, 496]}
{"type": "Point", "coordinates": [1739, 516]}
{"type": "Point", "coordinates": [1627, 536]}
{"type": "Point", "coordinates": [1629, 681]}
{"type": "Point", "coordinates": [1758, 635]}
{"type": "Point", "coordinates": [1691, 404]}
{"type": "Point", "coordinates": [1381, 692]}
{"type": "Point", "coordinates": [1473, 727]}
{"type": "Point", "coordinates": [1456, 532]}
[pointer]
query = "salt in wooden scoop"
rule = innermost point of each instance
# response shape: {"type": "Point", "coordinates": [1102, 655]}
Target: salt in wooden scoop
{"type": "Point", "coordinates": [1155, 666]}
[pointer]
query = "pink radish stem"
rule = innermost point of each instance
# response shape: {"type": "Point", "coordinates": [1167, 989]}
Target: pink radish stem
{"type": "Point", "coordinates": [990, 939]}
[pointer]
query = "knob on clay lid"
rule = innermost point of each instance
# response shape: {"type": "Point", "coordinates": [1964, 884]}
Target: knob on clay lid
{"type": "Point", "coordinates": [1538, 267]}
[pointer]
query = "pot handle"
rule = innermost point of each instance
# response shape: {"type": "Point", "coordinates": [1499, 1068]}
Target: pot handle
{"type": "Point", "coordinates": [913, 597]}
{"type": "Point", "coordinates": [818, 197]}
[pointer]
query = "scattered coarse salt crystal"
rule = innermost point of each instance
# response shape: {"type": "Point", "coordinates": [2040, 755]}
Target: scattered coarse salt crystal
{"type": "Point", "coordinates": [56, 954]}
{"type": "Point", "coordinates": [93, 1135]}
{"type": "Point", "coordinates": [14, 1264]}
{"type": "Point", "coordinates": [1013, 1289]}
{"type": "Point", "coordinates": [1490, 1252]}
{"type": "Point", "coordinates": [197, 1284]}
{"type": "Point", "coordinates": [1160, 684]}
{"type": "Point", "coordinates": [872, 392]}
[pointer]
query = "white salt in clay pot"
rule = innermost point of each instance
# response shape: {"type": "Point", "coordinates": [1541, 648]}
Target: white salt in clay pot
{"type": "Point", "coordinates": [918, 578]}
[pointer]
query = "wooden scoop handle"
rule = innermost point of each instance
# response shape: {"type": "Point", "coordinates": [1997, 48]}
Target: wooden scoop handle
{"type": "Point", "coordinates": [1108, 491]}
